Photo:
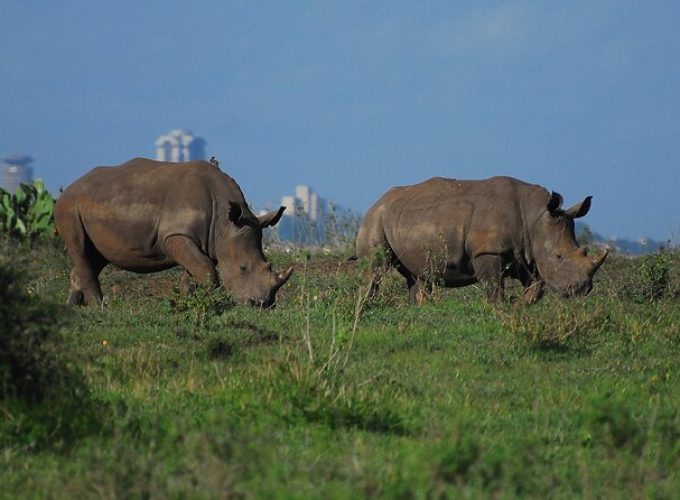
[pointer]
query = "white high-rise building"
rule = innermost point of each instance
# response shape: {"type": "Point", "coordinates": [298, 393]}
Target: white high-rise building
{"type": "Point", "coordinates": [303, 196]}
{"type": "Point", "coordinates": [310, 220]}
{"type": "Point", "coordinates": [304, 201]}
{"type": "Point", "coordinates": [180, 145]}
{"type": "Point", "coordinates": [303, 218]}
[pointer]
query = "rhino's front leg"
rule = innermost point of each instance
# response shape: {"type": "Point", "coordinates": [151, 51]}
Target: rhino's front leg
{"type": "Point", "coordinates": [187, 284]}
{"type": "Point", "coordinates": [489, 271]}
{"type": "Point", "coordinates": [533, 291]}
{"type": "Point", "coordinates": [185, 252]}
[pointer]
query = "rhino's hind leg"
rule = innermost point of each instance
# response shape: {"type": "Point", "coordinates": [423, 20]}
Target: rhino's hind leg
{"type": "Point", "coordinates": [87, 264]}
{"type": "Point", "coordinates": [186, 253]}
{"type": "Point", "coordinates": [489, 271]}
{"type": "Point", "coordinates": [380, 259]}
{"type": "Point", "coordinates": [85, 287]}
{"type": "Point", "coordinates": [419, 291]}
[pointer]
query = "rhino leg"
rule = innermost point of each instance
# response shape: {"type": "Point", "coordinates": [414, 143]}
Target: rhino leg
{"type": "Point", "coordinates": [85, 287]}
{"type": "Point", "coordinates": [533, 284]}
{"type": "Point", "coordinates": [533, 292]}
{"type": "Point", "coordinates": [186, 253]}
{"type": "Point", "coordinates": [489, 271]}
{"type": "Point", "coordinates": [87, 264]}
{"type": "Point", "coordinates": [187, 284]}
{"type": "Point", "coordinates": [380, 260]}
{"type": "Point", "coordinates": [419, 291]}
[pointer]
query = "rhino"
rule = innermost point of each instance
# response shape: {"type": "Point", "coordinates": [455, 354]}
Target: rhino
{"type": "Point", "coordinates": [460, 232]}
{"type": "Point", "coordinates": [147, 216]}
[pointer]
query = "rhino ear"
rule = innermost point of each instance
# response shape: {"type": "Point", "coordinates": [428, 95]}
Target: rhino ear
{"type": "Point", "coordinates": [555, 203]}
{"type": "Point", "coordinates": [271, 218]}
{"type": "Point", "coordinates": [580, 209]}
{"type": "Point", "coordinates": [236, 214]}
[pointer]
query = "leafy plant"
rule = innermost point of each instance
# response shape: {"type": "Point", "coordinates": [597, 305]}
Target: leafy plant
{"type": "Point", "coordinates": [654, 272]}
{"type": "Point", "coordinates": [28, 213]}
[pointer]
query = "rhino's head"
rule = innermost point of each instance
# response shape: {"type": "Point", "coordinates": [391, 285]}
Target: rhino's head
{"type": "Point", "coordinates": [563, 265]}
{"type": "Point", "coordinates": [244, 271]}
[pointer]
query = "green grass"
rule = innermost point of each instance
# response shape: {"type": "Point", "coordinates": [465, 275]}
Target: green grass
{"type": "Point", "coordinates": [329, 396]}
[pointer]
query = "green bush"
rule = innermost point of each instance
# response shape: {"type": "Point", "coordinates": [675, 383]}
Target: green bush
{"type": "Point", "coordinates": [197, 308]}
{"type": "Point", "coordinates": [28, 213]}
{"type": "Point", "coordinates": [654, 274]}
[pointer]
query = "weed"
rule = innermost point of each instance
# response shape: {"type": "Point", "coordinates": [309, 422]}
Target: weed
{"type": "Point", "coordinates": [340, 228]}
{"type": "Point", "coordinates": [554, 323]}
{"type": "Point", "coordinates": [435, 266]}
{"type": "Point", "coordinates": [196, 309]}
{"type": "Point", "coordinates": [645, 279]}
{"type": "Point", "coordinates": [654, 275]}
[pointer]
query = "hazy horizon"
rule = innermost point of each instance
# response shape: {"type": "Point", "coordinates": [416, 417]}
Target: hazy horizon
{"type": "Point", "coordinates": [352, 98]}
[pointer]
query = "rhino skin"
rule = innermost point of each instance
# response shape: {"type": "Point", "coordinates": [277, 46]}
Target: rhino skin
{"type": "Point", "coordinates": [146, 216]}
{"type": "Point", "coordinates": [460, 232]}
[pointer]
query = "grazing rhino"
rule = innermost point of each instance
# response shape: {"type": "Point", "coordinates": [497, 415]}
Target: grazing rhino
{"type": "Point", "coordinates": [461, 232]}
{"type": "Point", "coordinates": [147, 216]}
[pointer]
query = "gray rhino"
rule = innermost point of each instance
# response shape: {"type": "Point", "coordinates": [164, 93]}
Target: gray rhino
{"type": "Point", "coordinates": [147, 216]}
{"type": "Point", "coordinates": [457, 233]}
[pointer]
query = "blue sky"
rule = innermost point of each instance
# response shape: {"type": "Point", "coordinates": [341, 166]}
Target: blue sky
{"type": "Point", "coordinates": [355, 97]}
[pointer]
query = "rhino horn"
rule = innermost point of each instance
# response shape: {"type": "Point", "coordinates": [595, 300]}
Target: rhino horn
{"type": "Point", "coordinates": [599, 261]}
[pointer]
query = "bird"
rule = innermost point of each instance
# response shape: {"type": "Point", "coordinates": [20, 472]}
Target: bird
{"type": "Point", "coordinates": [215, 163]}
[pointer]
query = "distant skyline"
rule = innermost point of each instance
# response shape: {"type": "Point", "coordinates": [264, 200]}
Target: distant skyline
{"type": "Point", "coordinates": [354, 97]}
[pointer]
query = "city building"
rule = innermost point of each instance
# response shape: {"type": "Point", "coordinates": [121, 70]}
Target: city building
{"type": "Point", "coordinates": [303, 220]}
{"type": "Point", "coordinates": [309, 219]}
{"type": "Point", "coordinates": [180, 145]}
{"type": "Point", "coordinates": [14, 171]}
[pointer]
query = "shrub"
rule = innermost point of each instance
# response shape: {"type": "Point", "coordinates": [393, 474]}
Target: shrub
{"type": "Point", "coordinates": [28, 213]}
{"type": "Point", "coordinates": [654, 273]}
{"type": "Point", "coordinates": [197, 308]}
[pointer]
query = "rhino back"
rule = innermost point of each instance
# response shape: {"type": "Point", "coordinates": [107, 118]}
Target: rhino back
{"type": "Point", "coordinates": [128, 211]}
{"type": "Point", "coordinates": [453, 219]}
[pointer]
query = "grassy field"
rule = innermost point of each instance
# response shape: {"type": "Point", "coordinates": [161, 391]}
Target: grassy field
{"type": "Point", "coordinates": [331, 396]}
